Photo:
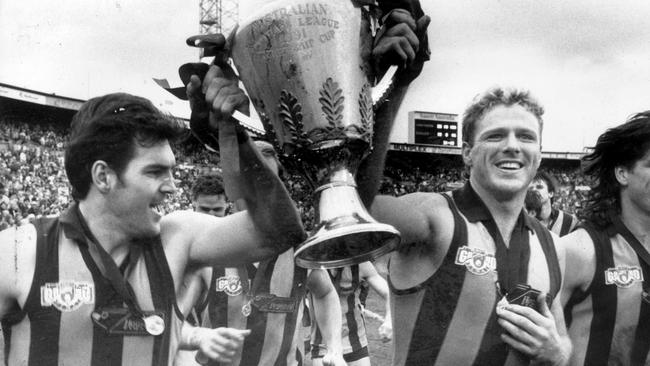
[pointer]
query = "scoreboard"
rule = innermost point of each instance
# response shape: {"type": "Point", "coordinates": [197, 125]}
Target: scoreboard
{"type": "Point", "coordinates": [432, 128]}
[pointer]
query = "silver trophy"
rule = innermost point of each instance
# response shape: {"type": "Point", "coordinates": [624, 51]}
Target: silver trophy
{"type": "Point", "coordinates": [306, 68]}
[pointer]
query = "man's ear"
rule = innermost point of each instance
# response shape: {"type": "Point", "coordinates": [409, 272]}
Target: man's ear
{"type": "Point", "coordinates": [466, 153]}
{"type": "Point", "coordinates": [102, 176]}
{"type": "Point", "coordinates": [620, 172]}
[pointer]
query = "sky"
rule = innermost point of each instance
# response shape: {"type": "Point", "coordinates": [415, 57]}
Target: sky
{"type": "Point", "coordinates": [588, 62]}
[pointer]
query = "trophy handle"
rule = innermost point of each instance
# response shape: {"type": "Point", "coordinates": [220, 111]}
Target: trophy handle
{"type": "Point", "coordinates": [380, 91]}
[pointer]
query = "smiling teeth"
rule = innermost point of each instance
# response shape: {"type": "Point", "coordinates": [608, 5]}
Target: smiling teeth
{"type": "Point", "coordinates": [157, 208]}
{"type": "Point", "coordinates": [510, 165]}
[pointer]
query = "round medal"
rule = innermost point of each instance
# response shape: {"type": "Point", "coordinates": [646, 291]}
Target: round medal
{"type": "Point", "coordinates": [154, 324]}
{"type": "Point", "coordinates": [246, 309]}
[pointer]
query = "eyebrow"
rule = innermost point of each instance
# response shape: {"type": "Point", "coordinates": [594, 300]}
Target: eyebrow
{"type": "Point", "coordinates": [158, 166]}
{"type": "Point", "coordinates": [506, 129]}
{"type": "Point", "coordinates": [206, 208]}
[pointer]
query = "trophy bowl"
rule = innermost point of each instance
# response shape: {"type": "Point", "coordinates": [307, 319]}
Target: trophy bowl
{"type": "Point", "coordinates": [306, 68]}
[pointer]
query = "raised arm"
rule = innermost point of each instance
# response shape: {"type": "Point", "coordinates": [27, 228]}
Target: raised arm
{"type": "Point", "coordinates": [402, 41]}
{"type": "Point", "coordinates": [271, 224]}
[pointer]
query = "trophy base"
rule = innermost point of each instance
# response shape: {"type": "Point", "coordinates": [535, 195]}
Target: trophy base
{"type": "Point", "coordinates": [347, 244]}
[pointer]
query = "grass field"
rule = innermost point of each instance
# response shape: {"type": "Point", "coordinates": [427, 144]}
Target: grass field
{"type": "Point", "coordinates": [380, 353]}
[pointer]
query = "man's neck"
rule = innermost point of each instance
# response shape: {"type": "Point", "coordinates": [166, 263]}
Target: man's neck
{"type": "Point", "coordinates": [504, 210]}
{"type": "Point", "coordinates": [545, 212]}
{"type": "Point", "coordinates": [637, 222]}
{"type": "Point", "coordinates": [103, 226]}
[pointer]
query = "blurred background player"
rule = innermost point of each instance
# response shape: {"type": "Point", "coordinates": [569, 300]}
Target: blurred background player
{"type": "Point", "coordinates": [352, 284]}
{"type": "Point", "coordinates": [558, 221]}
{"type": "Point", "coordinates": [209, 196]}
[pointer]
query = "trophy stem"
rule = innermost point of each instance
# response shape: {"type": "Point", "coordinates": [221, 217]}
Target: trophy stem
{"type": "Point", "coordinates": [346, 234]}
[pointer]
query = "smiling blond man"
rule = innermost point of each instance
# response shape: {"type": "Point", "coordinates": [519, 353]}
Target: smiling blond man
{"type": "Point", "coordinates": [462, 252]}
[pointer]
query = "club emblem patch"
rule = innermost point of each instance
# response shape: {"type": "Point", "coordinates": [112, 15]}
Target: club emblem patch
{"type": "Point", "coordinates": [231, 285]}
{"type": "Point", "coordinates": [67, 295]}
{"type": "Point", "coordinates": [476, 260]}
{"type": "Point", "coordinates": [623, 277]}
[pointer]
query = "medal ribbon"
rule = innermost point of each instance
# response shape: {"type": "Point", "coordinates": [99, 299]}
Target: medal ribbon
{"type": "Point", "coordinates": [113, 273]}
{"type": "Point", "coordinates": [512, 262]}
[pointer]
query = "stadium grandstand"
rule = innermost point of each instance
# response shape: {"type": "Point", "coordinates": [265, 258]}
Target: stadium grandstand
{"type": "Point", "coordinates": [34, 125]}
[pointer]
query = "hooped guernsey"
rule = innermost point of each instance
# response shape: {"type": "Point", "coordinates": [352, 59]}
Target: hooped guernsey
{"type": "Point", "coordinates": [73, 315]}
{"type": "Point", "coordinates": [450, 318]}
{"type": "Point", "coordinates": [609, 323]}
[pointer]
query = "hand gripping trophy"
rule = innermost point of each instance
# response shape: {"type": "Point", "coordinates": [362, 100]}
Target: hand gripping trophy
{"type": "Point", "coordinates": [306, 67]}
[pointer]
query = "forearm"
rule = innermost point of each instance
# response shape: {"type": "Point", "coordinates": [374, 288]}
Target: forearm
{"type": "Point", "coordinates": [327, 311]}
{"type": "Point", "coordinates": [247, 177]}
{"type": "Point", "coordinates": [371, 170]}
{"type": "Point", "coordinates": [190, 337]}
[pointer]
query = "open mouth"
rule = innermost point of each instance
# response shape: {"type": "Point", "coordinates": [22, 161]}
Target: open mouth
{"type": "Point", "coordinates": [157, 209]}
{"type": "Point", "coordinates": [510, 165]}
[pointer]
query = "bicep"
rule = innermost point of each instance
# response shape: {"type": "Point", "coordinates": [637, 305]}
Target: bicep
{"type": "Point", "coordinates": [409, 214]}
{"type": "Point", "coordinates": [579, 263]}
{"type": "Point", "coordinates": [231, 240]}
{"type": "Point", "coordinates": [319, 283]}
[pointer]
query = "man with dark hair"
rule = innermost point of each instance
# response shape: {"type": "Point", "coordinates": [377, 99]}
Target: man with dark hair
{"type": "Point", "coordinates": [608, 262]}
{"type": "Point", "coordinates": [554, 219]}
{"type": "Point", "coordinates": [209, 196]}
{"type": "Point", "coordinates": [98, 284]}
{"type": "Point", "coordinates": [456, 246]}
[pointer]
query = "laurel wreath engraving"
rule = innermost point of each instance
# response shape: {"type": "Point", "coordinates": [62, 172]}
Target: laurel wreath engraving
{"type": "Point", "coordinates": [366, 112]}
{"type": "Point", "coordinates": [291, 115]}
{"type": "Point", "coordinates": [331, 101]}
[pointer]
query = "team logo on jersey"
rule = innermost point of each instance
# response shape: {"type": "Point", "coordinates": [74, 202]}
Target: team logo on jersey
{"type": "Point", "coordinates": [623, 277]}
{"type": "Point", "coordinates": [231, 285]}
{"type": "Point", "coordinates": [477, 261]}
{"type": "Point", "coordinates": [67, 295]}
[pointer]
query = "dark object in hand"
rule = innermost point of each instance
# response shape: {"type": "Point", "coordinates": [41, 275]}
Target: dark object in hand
{"type": "Point", "coordinates": [523, 295]}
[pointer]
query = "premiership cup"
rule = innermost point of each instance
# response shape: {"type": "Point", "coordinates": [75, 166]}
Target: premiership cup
{"type": "Point", "coordinates": [306, 67]}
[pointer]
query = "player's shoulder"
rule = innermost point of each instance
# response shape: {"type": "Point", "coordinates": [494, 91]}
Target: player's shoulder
{"type": "Point", "coordinates": [17, 237]}
{"type": "Point", "coordinates": [429, 203]}
{"type": "Point", "coordinates": [179, 222]}
{"type": "Point", "coordinates": [580, 258]}
{"type": "Point", "coordinates": [17, 257]}
{"type": "Point", "coordinates": [578, 246]}
{"type": "Point", "coordinates": [425, 197]}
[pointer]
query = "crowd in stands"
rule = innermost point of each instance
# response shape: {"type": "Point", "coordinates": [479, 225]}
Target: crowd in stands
{"type": "Point", "coordinates": [33, 181]}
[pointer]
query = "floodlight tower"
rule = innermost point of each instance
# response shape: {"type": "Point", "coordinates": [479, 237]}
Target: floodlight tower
{"type": "Point", "coordinates": [218, 16]}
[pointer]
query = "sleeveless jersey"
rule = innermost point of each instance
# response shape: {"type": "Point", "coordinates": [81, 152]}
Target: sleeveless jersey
{"type": "Point", "coordinates": [450, 318]}
{"type": "Point", "coordinates": [274, 337]}
{"type": "Point", "coordinates": [55, 326]}
{"type": "Point", "coordinates": [609, 323]}
{"type": "Point", "coordinates": [352, 294]}
{"type": "Point", "coordinates": [561, 222]}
